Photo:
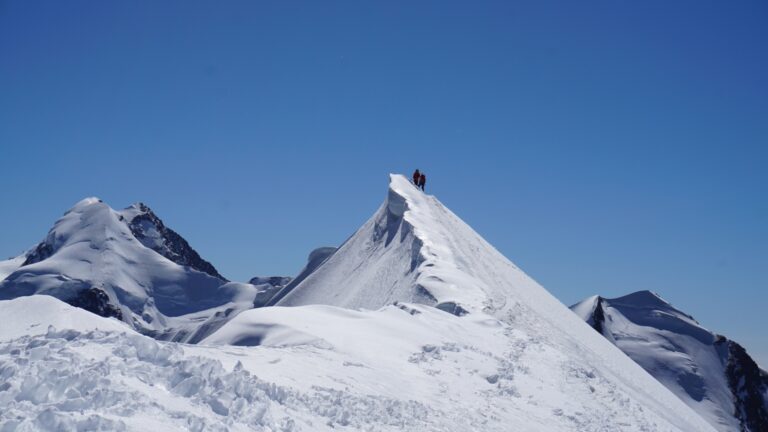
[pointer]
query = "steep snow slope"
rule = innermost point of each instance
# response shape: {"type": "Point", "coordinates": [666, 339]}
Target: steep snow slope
{"type": "Point", "coordinates": [316, 258]}
{"type": "Point", "coordinates": [92, 259]}
{"type": "Point", "coordinates": [415, 250]}
{"type": "Point", "coordinates": [711, 374]}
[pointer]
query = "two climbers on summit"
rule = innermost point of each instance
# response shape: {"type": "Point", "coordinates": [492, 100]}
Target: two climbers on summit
{"type": "Point", "coordinates": [419, 179]}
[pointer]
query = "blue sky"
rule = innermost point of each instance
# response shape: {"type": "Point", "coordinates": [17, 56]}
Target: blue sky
{"type": "Point", "coordinates": [605, 146]}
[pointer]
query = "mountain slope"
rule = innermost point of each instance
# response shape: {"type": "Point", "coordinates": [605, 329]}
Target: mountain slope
{"type": "Point", "coordinates": [710, 373]}
{"type": "Point", "coordinates": [414, 250]}
{"type": "Point", "coordinates": [92, 258]}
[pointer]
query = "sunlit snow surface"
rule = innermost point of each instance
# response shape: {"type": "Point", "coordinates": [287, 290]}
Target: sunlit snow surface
{"type": "Point", "coordinates": [518, 361]}
{"type": "Point", "coordinates": [673, 347]}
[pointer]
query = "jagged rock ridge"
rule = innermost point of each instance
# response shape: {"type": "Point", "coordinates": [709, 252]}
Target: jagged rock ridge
{"type": "Point", "coordinates": [152, 233]}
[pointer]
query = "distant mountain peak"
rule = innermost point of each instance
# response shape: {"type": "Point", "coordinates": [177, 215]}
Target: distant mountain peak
{"type": "Point", "coordinates": [125, 264]}
{"type": "Point", "coordinates": [712, 374]}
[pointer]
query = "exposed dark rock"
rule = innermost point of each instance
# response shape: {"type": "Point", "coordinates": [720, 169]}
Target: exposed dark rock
{"type": "Point", "coordinates": [749, 386]}
{"type": "Point", "coordinates": [452, 308]}
{"type": "Point", "coordinates": [173, 246]}
{"type": "Point", "coordinates": [598, 316]}
{"type": "Point", "coordinates": [42, 251]}
{"type": "Point", "coordinates": [96, 301]}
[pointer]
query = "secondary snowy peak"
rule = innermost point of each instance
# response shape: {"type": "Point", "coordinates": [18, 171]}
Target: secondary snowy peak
{"type": "Point", "coordinates": [152, 233]}
{"type": "Point", "coordinates": [712, 374]}
{"type": "Point", "coordinates": [91, 259]}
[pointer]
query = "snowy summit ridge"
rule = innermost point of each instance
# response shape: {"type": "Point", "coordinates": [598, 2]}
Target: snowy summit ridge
{"type": "Point", "coordinates": [412, 250]}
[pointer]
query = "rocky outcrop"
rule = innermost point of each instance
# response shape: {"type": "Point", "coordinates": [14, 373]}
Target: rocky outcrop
{"type": "Point", "coordinates": [749, 385]}
{"type": "Point", "coordinates": [152, 233]}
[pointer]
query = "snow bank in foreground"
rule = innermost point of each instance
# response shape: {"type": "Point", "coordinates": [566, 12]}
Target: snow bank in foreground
{"type": "Point", "coordinates": [474, 372]}
{"type": "Point", "coordinates": [31, 316]}
{"type": "Point", "coordinates": [403, 368]}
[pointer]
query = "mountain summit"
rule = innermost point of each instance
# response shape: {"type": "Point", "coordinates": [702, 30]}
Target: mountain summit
{"type": "Point", "coordinates": [412, 250]}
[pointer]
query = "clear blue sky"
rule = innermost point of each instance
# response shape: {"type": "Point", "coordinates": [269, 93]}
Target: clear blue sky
{"type": "Point", "coordinates": [605, 146]}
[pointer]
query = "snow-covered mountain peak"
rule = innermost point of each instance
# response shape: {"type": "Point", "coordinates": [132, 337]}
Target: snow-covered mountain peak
{"type": "Point", "coordinates": [90, 222]}
{"type": "Point", "coordinates": [709, 372]}
{"type": "Point", "coordinates": [85, 202]}
{"type": "Point", "coordinates": [642, 308]}
{"type": "Point", "coordinates": [412, 250]}
{"type": "Point", "coordinates": [124, 264]}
